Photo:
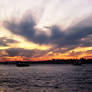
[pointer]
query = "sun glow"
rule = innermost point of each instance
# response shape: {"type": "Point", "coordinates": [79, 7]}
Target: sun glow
{"type": "Point", "coordinates": [64, 14]}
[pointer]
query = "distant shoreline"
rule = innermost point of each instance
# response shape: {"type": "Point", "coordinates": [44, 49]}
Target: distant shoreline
{"type": "Point", "coordinates": [54, 61]}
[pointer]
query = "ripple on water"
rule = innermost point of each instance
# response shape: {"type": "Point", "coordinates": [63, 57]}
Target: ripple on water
{"type": "Point", "coordinates": [46, 78]}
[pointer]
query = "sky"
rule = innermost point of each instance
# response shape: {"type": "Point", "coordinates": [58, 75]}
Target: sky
{"type": "Point", "coordinates": [45, 29]}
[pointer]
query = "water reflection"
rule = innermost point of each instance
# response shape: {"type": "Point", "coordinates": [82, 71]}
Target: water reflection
{"type": "Point", "coordinates": [46, 78]}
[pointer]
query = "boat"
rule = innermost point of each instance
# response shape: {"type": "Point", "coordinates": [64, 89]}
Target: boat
{"type": "Point", "coordinates": [22, 64]}
{"type": "Point", "coordinates": [77, 62]}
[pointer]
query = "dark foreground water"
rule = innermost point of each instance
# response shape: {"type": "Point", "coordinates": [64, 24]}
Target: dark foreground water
{"type": "Point", "coordinates": [46, 78]}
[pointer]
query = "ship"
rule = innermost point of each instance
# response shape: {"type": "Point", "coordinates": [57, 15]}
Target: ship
{"type": "Point", "coordinates": [77, 62]}
{"type": "Point", "coordinates": [22, 64]}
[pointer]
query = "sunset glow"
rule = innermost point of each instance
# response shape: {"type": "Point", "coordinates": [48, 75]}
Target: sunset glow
{"type": "Point", "coordinates": [46, 29]}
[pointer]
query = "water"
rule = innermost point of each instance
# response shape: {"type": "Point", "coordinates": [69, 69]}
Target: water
{"type": "Point", "coordinates": [46, 78]}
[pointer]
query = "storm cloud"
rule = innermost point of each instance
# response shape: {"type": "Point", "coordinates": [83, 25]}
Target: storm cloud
{"type": "Point", "coordinates": [69, 38]}
{"type": "Point", "coordinates": [11, 52]}
{"type": "Point", "coordinates": [4, 41]}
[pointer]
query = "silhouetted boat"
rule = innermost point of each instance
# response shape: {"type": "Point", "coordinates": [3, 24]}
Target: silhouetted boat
{"type": "Point", "coordinates": [22, 64]}
{"type": "Point", "coordinates": [77, 62]}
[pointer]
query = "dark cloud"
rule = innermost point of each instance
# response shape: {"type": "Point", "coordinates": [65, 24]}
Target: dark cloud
{"type": "Point", "coordinates": [70, 38]}
{"type": "Point", "coordinates": [80, 53]}
{"type": "Point", "coordinates": [75, 54]}
{"type": "Point", "coordinates": [89, 52]}
{"type": "Point", "coordinates": [11, 52]}
{"type": "Point", "coordinates": [4, 41]}
{"type": "Point", "coordinates": [26, 29]}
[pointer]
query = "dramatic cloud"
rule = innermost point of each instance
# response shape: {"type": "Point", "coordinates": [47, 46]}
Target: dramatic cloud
{"type": "Point", "coordinates": [75, 54]}
{"type": "Point", "coordinates": [26, 29]}
{"type": "Point", "coordinates": [53, 28]}
{"type": "Point", "coordinates": [4, 41]}
{"type": "Point", "coordinates": [71, 38]}
{"type": "Point", "coordinates": [11, 52]}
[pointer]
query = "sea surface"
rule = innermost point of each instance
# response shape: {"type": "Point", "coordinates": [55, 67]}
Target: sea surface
{"type": "Point", "coordinates": [46, 78]}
